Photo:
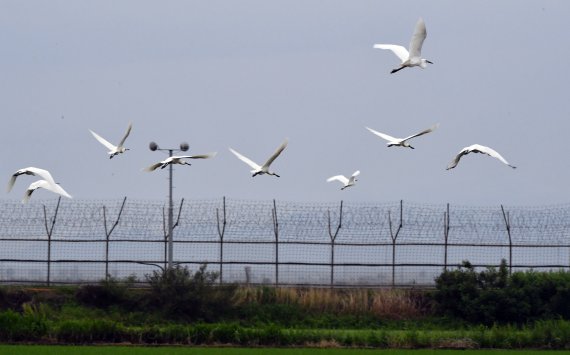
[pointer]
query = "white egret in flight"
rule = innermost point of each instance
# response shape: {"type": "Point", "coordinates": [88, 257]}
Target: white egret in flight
{"type": "Point", "coordinates": [413, 58]}
{"type": "Point", "coordinates": [261, 169]}
{"type": "Point", "coordinates": [178, 159]}
{"type": "Point", "coordinates": [347, 182]}
{"type": "Point", "coordinates": [402, 142]}
{"type": "Point", "coordinates": [476, 148]}
{"type": "Point", "coordinates": [44, 184]}
{"type": "Point", "coordinates": [44, 174]}
{"type": "Point", "coordinates": [113, 150]}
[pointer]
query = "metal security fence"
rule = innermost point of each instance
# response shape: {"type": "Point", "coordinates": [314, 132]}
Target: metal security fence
{"type": "Point", "coordinates": [275, 242]}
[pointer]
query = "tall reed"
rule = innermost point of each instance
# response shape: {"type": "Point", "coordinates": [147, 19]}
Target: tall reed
{"type": "Point", "coordinates": [382, 303]}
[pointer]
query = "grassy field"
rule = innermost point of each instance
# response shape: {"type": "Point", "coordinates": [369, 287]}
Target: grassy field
{"type": "Point", "coordinates": [187, 309]}
{"type": "Point", "coordinates": [132, 350]}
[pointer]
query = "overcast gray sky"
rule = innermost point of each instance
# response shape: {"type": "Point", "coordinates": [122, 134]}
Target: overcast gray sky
{"type": "Point", "coordinates": [247, 74]}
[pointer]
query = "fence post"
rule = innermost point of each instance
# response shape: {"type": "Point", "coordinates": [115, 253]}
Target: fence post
{"type": "Point", "coordinates": [166, 232]}
{"type": "Point", "coordinates": [49, 231]}
{"type": "Point", "coordinates": [394, 236]}
{"type": "Point", "coordinates": [276, 233]}
{"type": "Point", "coordinates": [221, 232]}
{"type": "Point", "coordinates": [445, 236]}
{"type": "Point", "coordinates": [507, 219]}
{"type": "Point", "coordinates": [108, 234]}
{"type": "Point", "coordinates": [333, 238]}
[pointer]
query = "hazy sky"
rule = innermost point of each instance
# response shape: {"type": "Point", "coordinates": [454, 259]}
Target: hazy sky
{"type": "Point", "coordinates": [247, 74]}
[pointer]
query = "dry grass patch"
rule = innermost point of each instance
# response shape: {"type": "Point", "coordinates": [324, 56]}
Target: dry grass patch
{"type": "Point", "coordinates": [383, 303]}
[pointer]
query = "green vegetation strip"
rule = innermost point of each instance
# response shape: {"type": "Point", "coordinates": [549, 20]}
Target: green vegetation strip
{"type": "Point", "coordinates": [128, 350]}
{"type": "Point", "coordinates": [32, 328]}
{"type": "Point", "coordinates": [491, 309]}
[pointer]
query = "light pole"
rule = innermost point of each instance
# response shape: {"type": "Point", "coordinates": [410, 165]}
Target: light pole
{"type": "Point", "coordinates": [183, 147]}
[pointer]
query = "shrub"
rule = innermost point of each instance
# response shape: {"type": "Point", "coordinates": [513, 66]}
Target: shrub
{"type": "Point", "coordinates": [200, 334]}
{"type": "Point", "coordinates": [11, 328]}
{"type": "Point", "coordinates": [108, 293]}
{"type": "Point", "coordinates": [89, 331]}
{"type": "Point", "coordinates": [13, 298]}
{"type": "Point", "coordinates": [377, 339]}
{"type": "Point", "coordinates": [153, 335]}
{"type": "Point", "coordinates": [181, 294]}
{"type": "Point", "coordinates": [493, 296]}
{"type": "Point", "coordinates": [31, 325]}
{"type": "Point", "coordinates": [270, 335]}
{"type": "Point", "coordinates": [226, 333]}
{"type": "Point", "coordinates": [54, 297]}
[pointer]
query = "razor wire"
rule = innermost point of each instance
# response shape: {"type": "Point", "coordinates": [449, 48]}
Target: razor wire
{"type": "Point", "coordinates": [278, 242]}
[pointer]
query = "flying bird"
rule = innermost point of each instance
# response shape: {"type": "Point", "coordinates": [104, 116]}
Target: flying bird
{"type": "Point", "coordinates": [413, 57]}
{"type": "Point", "coordinates": [261, 169]}
{"type": "Point", "coordinates": [113, 150]}
{"type": "Point", "coordinates": [402, 142]}
{"type": "Point", "coordinates": [178, 159]}
{"type": "Point", "coordinates": [476, 148]}
{"type": "Point", "coordinates": [44, 174]}
{"type": "Point", "coordinates": [44, 184]}
{"type": "Point", "coordinates": [347, 182]}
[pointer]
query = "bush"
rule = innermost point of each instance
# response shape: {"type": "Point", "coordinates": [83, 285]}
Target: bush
{"type": "Point", "coordinates": [181, 294]}
{"type": "Point", "coordinates": [200, 334]}
{"type": "Point", "coordinates": [89, 331]}
{"type": "Point", "coordinates": [11, 327]}
{"type": "Point", "coordinates": [493, 296]}
{"type": "Point", "coordinates": [226, 333]}
{"type": "Point", "coordinates": [13, 298]}
{"type": "Point", "coordinates": [108, 293]}
{"type": "Point", "coordinates": [31, 325]}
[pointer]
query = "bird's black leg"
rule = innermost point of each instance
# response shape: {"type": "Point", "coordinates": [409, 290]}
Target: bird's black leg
{"type": "Point", "coordinates": [396, 70]}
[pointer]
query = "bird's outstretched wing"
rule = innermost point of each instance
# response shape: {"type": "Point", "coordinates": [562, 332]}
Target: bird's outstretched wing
{"type": "Point", "coordinates": [399, 51]}
{"type": "Point", "coordinates": [11, 182]}
{"type": "Point", "coordinates": [340, 178]}
{"type": "Point", "coordinates": [492, 153]}
{"type": "Point", "coordinates": [200, 156]}
{"type": "Point", "coordinates": [58, 190]}
{"type": "Point", "coordinates": [44, 174]}
{"type": "Point", "coordinates": [246, 160]}
{"type": "Point", "coordinates": [383, 135]}
{"type": "Point", "coordinates": [418, 38]}
{"type": "Point", "coordinates": [476, 148]}
{"type": "Point", "coordinates": [103, 141]}
{"type": "Point", "coordinates": [153, 167]}
{"type": "Point", "coordinates": [27, 195]}
{"type": "Point", "coordinates": [276, 154]}
{"type": "Point", "coordinates": [456, 159]}
{"type": "Point", "coordinates": [354, 175]}
{"type": "Point", "coordinates": [44, 185]}
{"type": "Point", "coordinates": [125, 136]}
{"type": "Point", "coordinates": [33, 187]}
{"type": "Point", "coordinates": [425, 131]}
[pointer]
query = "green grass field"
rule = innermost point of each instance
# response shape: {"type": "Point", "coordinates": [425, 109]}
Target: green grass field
{"type": "Point", "coordinates": [136, 350]}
